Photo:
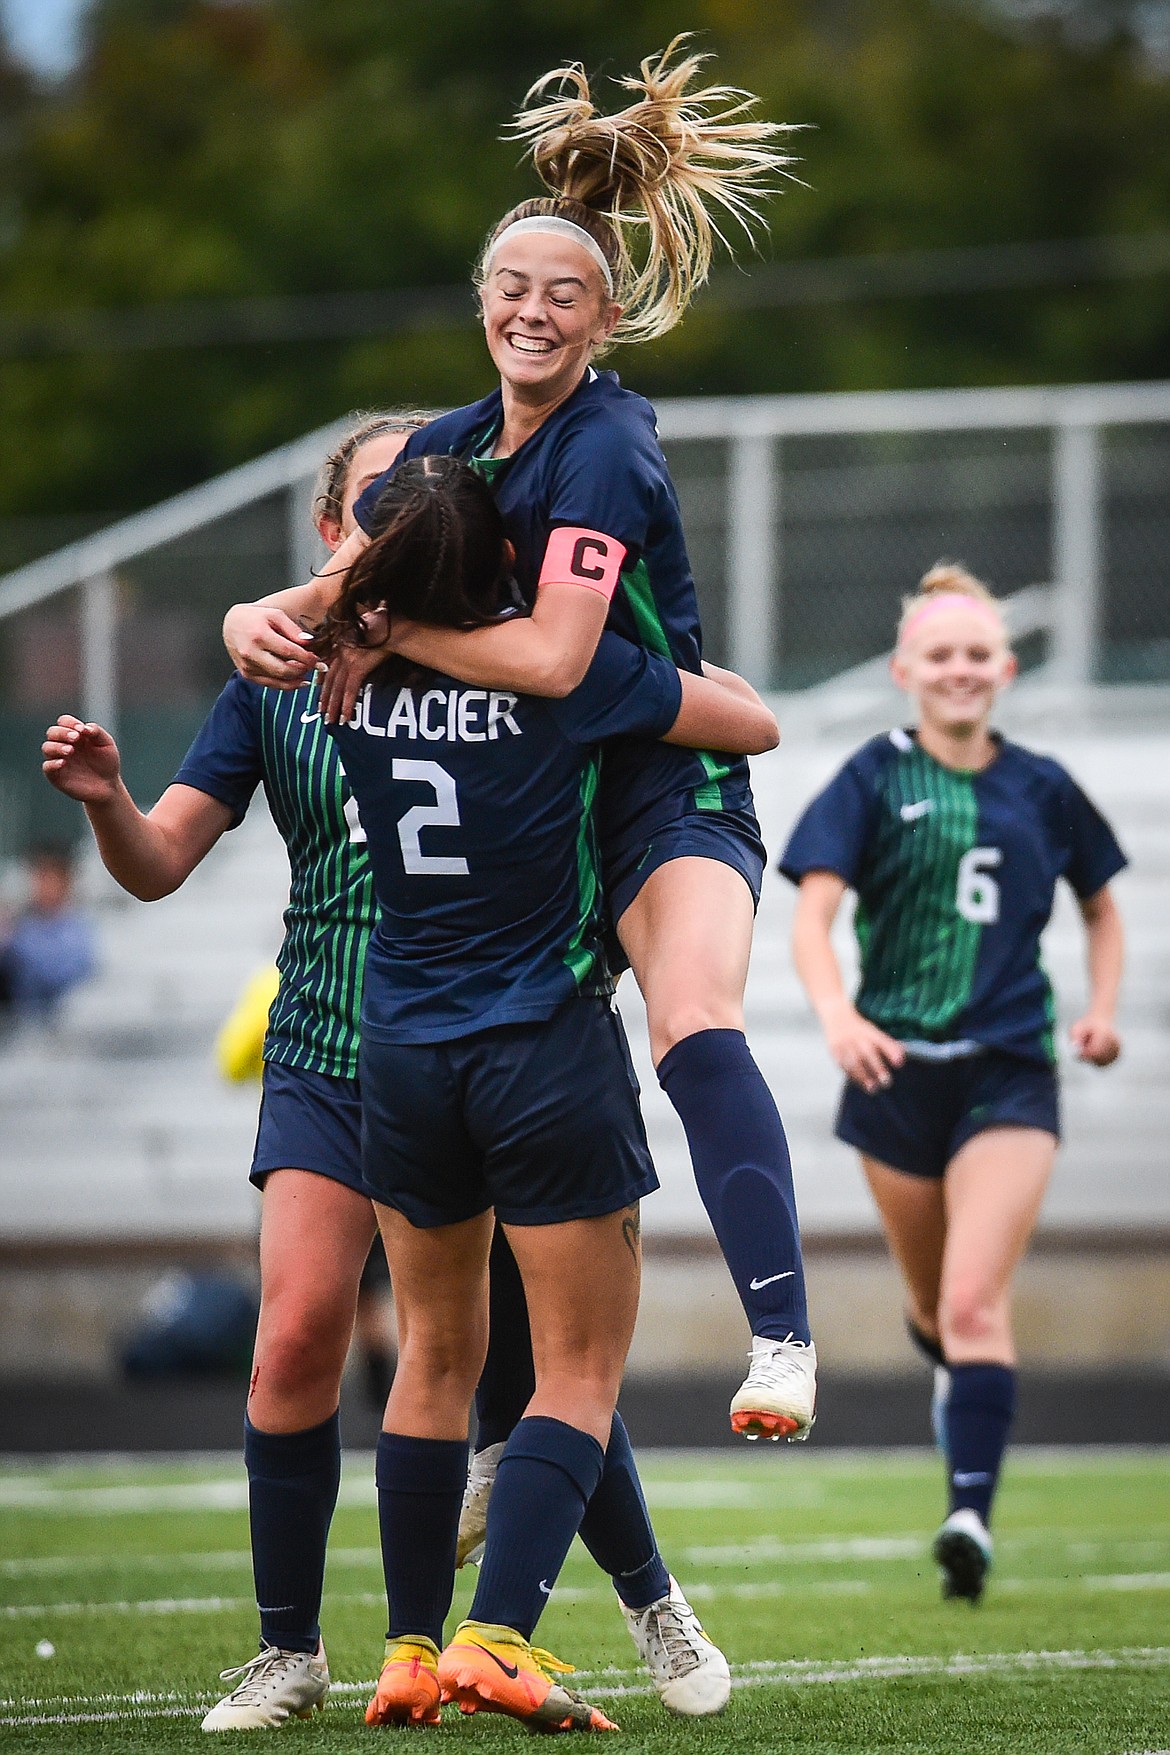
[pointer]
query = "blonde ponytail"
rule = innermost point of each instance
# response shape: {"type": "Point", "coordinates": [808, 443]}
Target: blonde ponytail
{"type": "Point", "coordinates": [650, 184]}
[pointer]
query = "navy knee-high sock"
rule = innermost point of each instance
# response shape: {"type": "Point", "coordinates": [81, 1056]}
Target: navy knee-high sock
{"type": "Point", "coordinates": [616, 1527]}
{"type": "Point", "coordinates": [420, 1489]}
{"type": "Point", "coordinates": [547, 1476]}
{"type": "Point", "coordinates": [978, 1420]}
{"type": "Point", "coordinates": [292, 1489]}
{"type": "Point", "coordinates": [509, 1377]}
{"type": "Point", "coordinates": [744, 1174]}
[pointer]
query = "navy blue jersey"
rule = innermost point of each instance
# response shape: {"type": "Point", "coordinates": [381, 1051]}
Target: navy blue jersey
{"type": "Point", "coordinates": [478, 807]}
{"type": "Point", "coordinates": [596, 464]}
{"type": "Point", "coordinates": [955, 874]}
{"type": "Point", "coordinates": [274, 738]}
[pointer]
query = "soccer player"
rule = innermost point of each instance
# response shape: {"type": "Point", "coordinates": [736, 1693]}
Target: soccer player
{"type": "Point", "coordinates": [495, 1080]}
{"type": "Point", "coordinates": [316, 1219]}
{"type": "Point", "coordinates": [613, 254]}
{"type": "Point", "coordinates": [953, 840]}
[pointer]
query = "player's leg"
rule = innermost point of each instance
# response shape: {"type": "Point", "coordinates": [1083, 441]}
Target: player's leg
{"type": "Point", "coordinates": [425, 1172]}
{"type": "Point", "coordinates": [913, 1215]}
{"type": "Point", "coordinates": [314, 1238]}
{"type": "Point", "coordinates": [994, 1188]}
{"type": "Point", "coordinates": [440, 1283]}
{"type": "Point", "coordinates": [581, 1282]}
{"type": "Point", "coordinates": [689, 1671]}
{"type": "Point", "coordinates": [502, 1393]}
{"type": "Point", "coordinates": [688, 935]}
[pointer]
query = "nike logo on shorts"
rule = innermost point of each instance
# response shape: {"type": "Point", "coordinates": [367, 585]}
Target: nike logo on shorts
{"type": "Point", "coordinates": [758, 1285]}
{"type": "Point", "coordinates": [512, 1670]}
{"type": "Point", "coordinates": [911, 812]}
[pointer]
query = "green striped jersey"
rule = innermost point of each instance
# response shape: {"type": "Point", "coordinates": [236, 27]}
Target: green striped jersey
{"type": "Point", "coordinates": [955, 873]}
{"type": "Point", "coordinates": [275, 738]}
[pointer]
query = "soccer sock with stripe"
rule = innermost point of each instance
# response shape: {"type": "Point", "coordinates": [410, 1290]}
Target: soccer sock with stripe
{"type": "Point", "coordinates": [978, 1420]}
{"type": "Point", "coordinates": [743, 1173]}
{"type": "Point", "coordinates": [420, 1490]}
{"type": "Point", "coordinates": [293, 1479]}
{"type": "Point", "coordinates": [616, 1527]}
{"type": "Point", "coordinates": [547, 1476]}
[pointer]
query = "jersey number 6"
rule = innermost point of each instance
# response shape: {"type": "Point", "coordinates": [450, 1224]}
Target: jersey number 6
{"type": "Point", "coordinates": [977, 893]}
{"type": "Point", "coordinates": [444, 813]}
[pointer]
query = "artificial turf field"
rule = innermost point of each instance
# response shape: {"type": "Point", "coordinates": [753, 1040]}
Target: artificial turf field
{"type": "Point", "coordinates": [811, 1570]}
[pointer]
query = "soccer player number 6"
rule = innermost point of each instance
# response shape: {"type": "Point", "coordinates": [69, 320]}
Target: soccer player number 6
{"type": "Point", "coordinates": [977, 893]}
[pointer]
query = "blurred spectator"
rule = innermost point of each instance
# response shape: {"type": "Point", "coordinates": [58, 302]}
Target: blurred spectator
{"type": "Point", "coordinates": [50, 946]}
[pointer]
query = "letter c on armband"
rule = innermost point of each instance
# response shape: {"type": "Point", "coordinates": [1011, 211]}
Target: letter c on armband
{"type": "Point", "coordinates": [583, 557]}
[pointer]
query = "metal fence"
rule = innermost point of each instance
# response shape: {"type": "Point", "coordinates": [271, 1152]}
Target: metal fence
{"type": "Point", "coordinates": [807, 517]}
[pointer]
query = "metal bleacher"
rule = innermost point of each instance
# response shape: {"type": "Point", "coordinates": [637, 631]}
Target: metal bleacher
{"type": "Point", "coordinates": [115, 1126]}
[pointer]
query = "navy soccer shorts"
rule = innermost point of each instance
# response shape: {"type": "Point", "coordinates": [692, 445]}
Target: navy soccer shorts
{"type": "Point", "coordinates": [931, 1108]}
{"type": "Point", "coordinates": [538, 1120]}
{"type": "Point", "coordinates": [309, 1121]}
{"type": "Point", "coordinates": [732, 837]}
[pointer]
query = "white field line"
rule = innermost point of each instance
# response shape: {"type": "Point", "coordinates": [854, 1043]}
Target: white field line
{"type": "Point", "coordinates": [593, 1593]}
{"type": "Point", "coordinates": [613, 1684]}
{"type": "Point", "coordinates": [828, 1550]}
{"type": "Point", "coordinates": [760, 1591]}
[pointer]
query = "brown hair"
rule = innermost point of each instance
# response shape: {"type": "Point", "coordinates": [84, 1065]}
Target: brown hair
{"type": "Point", "coordinates": [333, 475]}
{"type": "Point", "coordinates": [436, 554]}
{"type": "Point", "coordinates": [650, 183]}
{"type": "Point", "coordinates": [947, 578]}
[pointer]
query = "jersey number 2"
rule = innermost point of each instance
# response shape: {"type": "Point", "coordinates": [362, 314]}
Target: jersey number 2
{"type": "Point", "coordinates": [977, 893]}
{"type": "Point", "coordinates": [444, 813]}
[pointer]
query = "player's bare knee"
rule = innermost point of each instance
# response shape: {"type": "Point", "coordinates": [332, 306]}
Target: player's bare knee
{"type": "Point", "coordinates": [968, 1318]}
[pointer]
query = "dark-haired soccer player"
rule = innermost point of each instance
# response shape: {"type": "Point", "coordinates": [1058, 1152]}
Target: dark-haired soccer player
{"type": "Point", "coordinates": [615, 253]}
{"type": "Point", "coordinates": [953, 840]}
{"type": "Point", "coordinates": [316, 1217]}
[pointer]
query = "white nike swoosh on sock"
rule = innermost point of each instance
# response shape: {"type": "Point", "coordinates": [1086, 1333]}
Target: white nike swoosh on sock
{"type": "Point", "coordinates": [758, 1285]}
{"type": "Point", "coordinates": [972, 1480]}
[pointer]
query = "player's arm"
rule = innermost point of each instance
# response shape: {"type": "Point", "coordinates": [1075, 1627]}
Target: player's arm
{"type": "Point", "coordinates": [149, 854]}
{"type": "Point", "coordinates": [720, 711]}
{"type": "Point", "coordinates": [862, 1051]}
{"type": "Point", "coordinates": [546, 653]}
{"type": "Point", "coordinates": [267, 640]}
{"type": "Point", "coordinates": [1094, 1035]}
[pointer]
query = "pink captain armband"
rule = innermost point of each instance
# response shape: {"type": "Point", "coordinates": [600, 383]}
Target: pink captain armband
{"type": "Point", "coordinates": [583, 557]}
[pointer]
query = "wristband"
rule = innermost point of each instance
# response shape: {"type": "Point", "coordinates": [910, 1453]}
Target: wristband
{"type": "Point", "coordinates": [583, 557]}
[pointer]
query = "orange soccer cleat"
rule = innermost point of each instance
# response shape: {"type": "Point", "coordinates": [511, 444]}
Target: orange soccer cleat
{"type": "Point", "coordinates": [494, 1669]}
{"type": "Point", "coordinates": [408, 1688]}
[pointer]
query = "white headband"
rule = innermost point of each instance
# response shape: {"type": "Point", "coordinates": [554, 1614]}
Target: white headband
{"type": "Point", "coordinates": [560, 228]}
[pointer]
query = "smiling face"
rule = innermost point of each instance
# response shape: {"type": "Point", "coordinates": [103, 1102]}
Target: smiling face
{"type": "Point", "coordinates": [953, 662]}
{"type": "Point", "coordinates": [545, 309]}
{"type": "Point", "coordinates": [369, 461]}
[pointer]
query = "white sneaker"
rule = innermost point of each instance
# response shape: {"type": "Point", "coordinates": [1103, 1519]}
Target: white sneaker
{"type": "Point", "coordinates": [274, 1686]}
{"type": "Point", "coordinates": [778, 1396]}
{"type": "Point", "coordinates": [481, 1478]}
{"type": "Point", "coordinates": [689, 1672]}
{"type": "Point", "coordinates": [963, 1550]}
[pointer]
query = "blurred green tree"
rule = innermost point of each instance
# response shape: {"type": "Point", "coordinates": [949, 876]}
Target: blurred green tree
{"type": "Point", "coordinates": [206, 151]}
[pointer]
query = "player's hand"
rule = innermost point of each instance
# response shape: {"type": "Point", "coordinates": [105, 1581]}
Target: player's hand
{"type": "Point", "coordinates": [864, 1053]}
{"type": "Point", "coordinates": [350, 667]}
{"type": "Point", "coordinates": [1095, 1039]}
{"type": "Point", "coordinates": [267, 646]}
{"type": "Point", "coordinates": [81, 760]}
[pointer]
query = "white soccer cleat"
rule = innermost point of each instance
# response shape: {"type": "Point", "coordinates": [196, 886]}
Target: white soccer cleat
{"type": "Point", "coordinates": [689, 1672]}
{"type": "Point", "coordinates": [273, 1687]}
{"type": "Point", "coordinates": [777, 1398]}
{"type": "Point", "coordinates": [963, 1550]}
{"type": "Point", "coordinates": [481, 1478]}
